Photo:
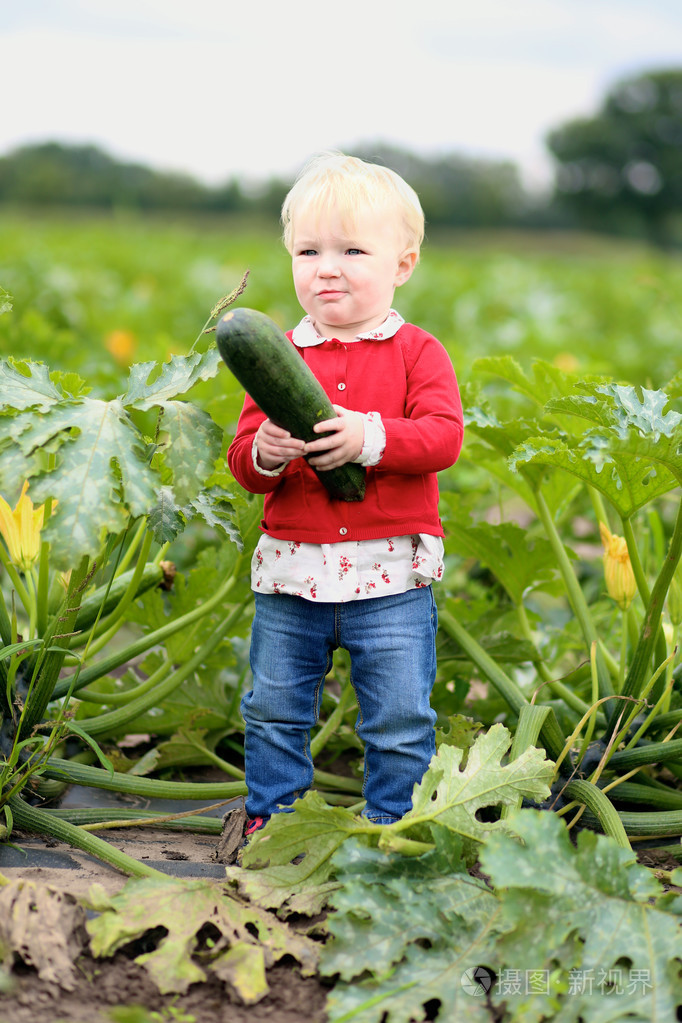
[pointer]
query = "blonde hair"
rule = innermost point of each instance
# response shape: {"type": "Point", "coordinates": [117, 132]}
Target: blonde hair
{"type": "Point", "coordinates": [344, 183]}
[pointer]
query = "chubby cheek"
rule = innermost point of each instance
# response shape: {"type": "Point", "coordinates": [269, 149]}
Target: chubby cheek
{"type": "Point", "coordinates": [301, 285]}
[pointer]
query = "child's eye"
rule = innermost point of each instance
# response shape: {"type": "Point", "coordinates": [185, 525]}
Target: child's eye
{"type": "Point", "coordinates": [354, 252]}
{"type": "Point", "coordinates": [308, 252]}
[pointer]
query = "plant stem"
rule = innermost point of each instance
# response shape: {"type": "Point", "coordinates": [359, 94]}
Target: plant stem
{"type": "Point", "coordinates": [92, 817]}
{"type": "Point", "coordinates": [132, 547]}
{"type": "Point", "coordinates": [51, 658]}
{"type": "Point", "coordinates": [83, 774]}
{"type": "Point", "coordinates": [40, 822]}
{"type": "Point", "coordinates": [112, 721]}
{"type": "Point", "coordinates": [145, 643]}
{"type": "Point", "coordinates": [643, 652]}
{"type": "Point", "coordinates": [575, 594]}
{"type": "Point", "coordinates": [5, 624]}
{"type": "Point", "coordinates": [552, 735]}
{"type": "Point", "coordinates": [555, 685]}
{"type": "Point", "coordinates": [600, 804]}
{"type": "Point", "coordinates": [43, 577]}
{"type": "Point", "coordinates": [15, 579]}
{"type": "Point", "coordinates": [113, 620]}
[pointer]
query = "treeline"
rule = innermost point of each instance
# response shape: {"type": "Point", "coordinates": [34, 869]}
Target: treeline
{"type": "Point", "coordinates": [619, 171]}
{"type": "Point", "coordinates": [454, 190]}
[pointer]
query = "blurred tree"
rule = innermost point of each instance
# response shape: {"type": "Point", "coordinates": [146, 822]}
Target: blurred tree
{"type": "Point", "coordinates": [621, 170]}
{"type": "Point", "coordinates": [456, 190]}
{"type": "Point", "coordinates": [52, 173]}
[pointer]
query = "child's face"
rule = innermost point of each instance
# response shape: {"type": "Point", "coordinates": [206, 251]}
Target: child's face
{"type": "Point", "coordinates": [345, 275]}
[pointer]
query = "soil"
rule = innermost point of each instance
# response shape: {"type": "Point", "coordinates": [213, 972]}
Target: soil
{"type": "Point", "coordinates": [102, 985]}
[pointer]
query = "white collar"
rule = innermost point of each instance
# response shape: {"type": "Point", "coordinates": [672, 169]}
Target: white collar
{"type": "Point", "coordinates": [305, 334]}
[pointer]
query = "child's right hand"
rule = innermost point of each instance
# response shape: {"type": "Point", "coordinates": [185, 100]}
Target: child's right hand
{"type": "Point", "coordinates": [276, 446]}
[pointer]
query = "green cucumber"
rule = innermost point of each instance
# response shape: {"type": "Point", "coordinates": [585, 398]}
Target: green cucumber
{"type": "Point", "coordinates": [275, 376]}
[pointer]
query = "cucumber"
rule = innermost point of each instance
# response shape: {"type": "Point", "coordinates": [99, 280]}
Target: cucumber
{"type": "Point", "coordinates": [271, 371]}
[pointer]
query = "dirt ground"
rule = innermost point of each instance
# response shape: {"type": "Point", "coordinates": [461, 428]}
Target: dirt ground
{"type": "Point", "coordinates": [103, 986]}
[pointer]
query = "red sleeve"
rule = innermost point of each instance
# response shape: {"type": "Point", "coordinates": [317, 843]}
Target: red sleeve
{"type": "Point", "coordinates": [429, 437]}
{"type": "Point", "coordinates": [239, 453]}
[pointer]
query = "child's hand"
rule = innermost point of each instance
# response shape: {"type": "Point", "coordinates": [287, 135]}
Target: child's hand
{"type": "Point", "coordinates": [344, 443]}
{"type": "Point", "coordinates": [276, 446]}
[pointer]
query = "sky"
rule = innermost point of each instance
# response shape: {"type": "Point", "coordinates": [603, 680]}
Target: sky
{"type": "Point", "coordinates": [218, 88]}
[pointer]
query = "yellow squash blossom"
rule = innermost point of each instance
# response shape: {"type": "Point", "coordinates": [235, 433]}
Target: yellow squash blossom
{"type": "Point", "coordinates": [121, 344]}
{"type": "Point", "coordinates": [20, 529]}
{"type": "Point", "coordinates": [620, 579]}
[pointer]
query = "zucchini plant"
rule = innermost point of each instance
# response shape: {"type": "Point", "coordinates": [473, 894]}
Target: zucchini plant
{"type": "Point", "coordinates": [598, 464]}
{"type": "Point", "coordinates": [94, 492]}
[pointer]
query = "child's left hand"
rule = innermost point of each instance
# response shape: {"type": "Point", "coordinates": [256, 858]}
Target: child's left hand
{"type": "Point", "coordinates": [344, 443]}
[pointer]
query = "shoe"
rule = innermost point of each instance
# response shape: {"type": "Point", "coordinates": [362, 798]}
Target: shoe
{"type": "Point", "coordinates": [254, 824]}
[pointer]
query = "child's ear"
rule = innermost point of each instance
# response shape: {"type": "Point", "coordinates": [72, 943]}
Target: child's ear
{"type": "Point", "coordinates": [406, 264]}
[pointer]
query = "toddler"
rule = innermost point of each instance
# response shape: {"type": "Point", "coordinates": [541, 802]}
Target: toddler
{"type": "Point", "coordinates": [328, 573]}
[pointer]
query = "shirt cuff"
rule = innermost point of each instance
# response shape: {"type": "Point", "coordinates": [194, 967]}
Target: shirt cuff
{"type": "Point", "coordinates": [264, 472]}
{"type": "Point", "coordinates": [375, 439]}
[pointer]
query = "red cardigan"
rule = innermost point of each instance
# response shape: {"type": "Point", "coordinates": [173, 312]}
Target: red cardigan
{"type": "Point", "coordinates": [409, 379]}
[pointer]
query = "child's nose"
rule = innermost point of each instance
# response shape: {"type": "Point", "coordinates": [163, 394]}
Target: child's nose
{"type": "Point", "coordinates": [328, 266]}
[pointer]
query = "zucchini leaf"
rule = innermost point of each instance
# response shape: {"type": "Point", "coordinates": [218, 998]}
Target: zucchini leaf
{"type": "Point", "coordinates": [453, 797]}
{"type": "Point", "coordinates": [177, 376]}
{"type": "Point", "coordinates": [189, 443]}
{"type": "Point", "coordinates": [25, 384]}
{"type": "Point", "coordinates": [590, 911]}
{"type": "Point", "coordinates": [564, 932]}
{"type": "Point", "coordinates": [404, 931]}
{"type": "Point", "coordinates": [100, 478]}
{"type": "Point", "coordinates": [90, 457]}
{"type": "Point", "coordinates": [628, 483]}
{"type": "Point", "coordinates": [520, 562]}
{"type": "Point", "coordinates": [245, 940]}
{"type": "Point", "coordinates": [627, 425]}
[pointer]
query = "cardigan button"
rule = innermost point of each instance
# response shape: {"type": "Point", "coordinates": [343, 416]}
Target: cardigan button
{"type": "Point", "coordinates": [341, 386]}
{"type": "Point", "coordinates": [343, 531]}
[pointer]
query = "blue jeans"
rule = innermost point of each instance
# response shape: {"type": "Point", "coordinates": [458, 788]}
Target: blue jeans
{"type": "Point", "coordinates": [391, 642]}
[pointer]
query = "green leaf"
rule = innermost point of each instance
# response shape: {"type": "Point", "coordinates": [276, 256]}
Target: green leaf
{"type": "Point", "coordinates": [188, 747]}
{"type": "Point", "coordinates": [593, 909]}
{"type": "Point", "coordinates": [375, 918]}
{"type": "Point", "coordinates": [628, 483]}
{"type": "Point", "coordinates": [101, 477]}
{"type": "Point", "coordinates": [461, 731]}
{"type": "Point", "coordinates": [217, 508]}
{"type": "Point", "coordinates": [453, 797]}
{"type": "Point", "coordinates": [547, 381]}
{"type": "Point", "coordinates": [177, 376]}
{"type": "Point", "coordinates": [312, 828]}
{"type": "Point", "coordinates": [165, 519]}
{"type": "Point", "coordinates": [190, 443]}
{"type": "Point", "coordinates": [520, 562]}
{"type": "Point", "coordinates": [26, 385]}
{"type": "Point", "coordinates": [674, 386]}
{"type": "Point", "coordinates": [629, 426]}
{"type": "Point", "coordinates": [621, 408]}
{"type": "Point", "coordinates": [500, 436]}
{"type": "Point", "coordinates": [5, 301]}
{"type": "Point", "coordinates": [415, 925]}
{"type": "Point", "coordinates": [182, 909]}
